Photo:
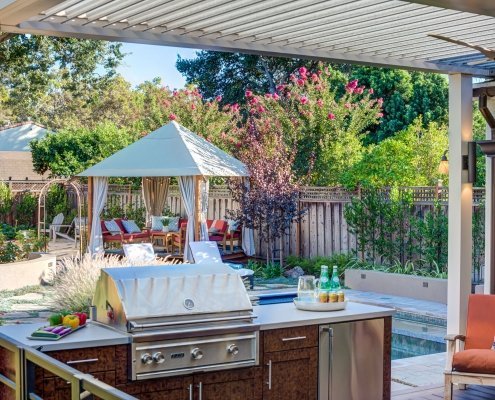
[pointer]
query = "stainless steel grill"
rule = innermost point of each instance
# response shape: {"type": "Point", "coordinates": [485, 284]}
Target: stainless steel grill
{"type": "Point", "coordinates": [182, 318]}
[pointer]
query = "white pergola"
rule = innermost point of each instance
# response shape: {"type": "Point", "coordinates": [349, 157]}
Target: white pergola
{"type": "Point", "coordinates": [387, 33]}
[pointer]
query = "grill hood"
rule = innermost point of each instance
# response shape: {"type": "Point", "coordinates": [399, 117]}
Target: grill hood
{"type": "Point", "coordinates": [128, 296]}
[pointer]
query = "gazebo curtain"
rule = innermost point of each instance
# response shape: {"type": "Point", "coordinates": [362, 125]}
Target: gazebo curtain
{"type": "Point", "coordinates": [205, 188]}
{"type": "Point", "coordinates": [100, 189]}
{"type": "Point", "coordinates": [155, 191]}
{"type": "Point", "coordinates": [186, 186]}
{"type": "Point", "coordinates": [247, 233]}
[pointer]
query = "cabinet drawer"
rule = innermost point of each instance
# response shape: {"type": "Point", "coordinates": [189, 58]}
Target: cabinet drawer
{"type": "Point", "coordinates": [290, 338]}
{"type": "Point", "coordinates": [96, 359]}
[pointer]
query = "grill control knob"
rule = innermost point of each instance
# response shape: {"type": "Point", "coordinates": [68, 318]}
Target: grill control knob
{"type": "Point", "coordinates": [233, 349]}
{"type": "Point", "coordinates": [146, 358]}
{"type": "Point", "coordinates": [196, 354]}
{"type": "Point", "coordinates": [158, 357]}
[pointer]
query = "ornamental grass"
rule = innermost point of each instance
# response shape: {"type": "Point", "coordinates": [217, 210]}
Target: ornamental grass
{"type": "Point", "coordinates": [75, 282]}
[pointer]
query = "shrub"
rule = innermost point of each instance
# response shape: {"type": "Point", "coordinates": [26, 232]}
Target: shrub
{"type": "Point", "coordinates": [25, 209]}
{"type": "Point", "coordinates": [76, 282]}
{"type": "Point", "coordinates": [6, 201]}
{"type": "Point", "coordinates": [18, 249]}
{"type": "Point", "coordinates": [312, 266]}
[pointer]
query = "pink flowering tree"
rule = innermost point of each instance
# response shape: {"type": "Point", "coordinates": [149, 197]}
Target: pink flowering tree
{"type": "Point", "coordinates": [326, 128]}
{"type": "Point", "coordinates": [208, 118]}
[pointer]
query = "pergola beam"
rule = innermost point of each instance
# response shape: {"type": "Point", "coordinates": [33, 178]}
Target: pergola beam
{"type": "Point", "coordinates": [13, 12]}
{"type": "Point", "coordinates": [171, 39]}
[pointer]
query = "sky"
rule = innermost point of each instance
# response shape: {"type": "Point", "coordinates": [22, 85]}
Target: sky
{"type": "Point", "coordinates": [145, 62]}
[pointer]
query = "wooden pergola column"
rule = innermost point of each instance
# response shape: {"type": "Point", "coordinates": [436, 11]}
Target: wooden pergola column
{"type": "Point", "coordinates": [460, 202]}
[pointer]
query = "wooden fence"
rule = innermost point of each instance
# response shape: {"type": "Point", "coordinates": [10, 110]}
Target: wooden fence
{"type": "Point", "coordinates": [323, 230]}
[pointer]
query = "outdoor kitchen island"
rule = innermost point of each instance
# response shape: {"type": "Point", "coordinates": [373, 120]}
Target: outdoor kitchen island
{"type": "Point", "coordinates": [287, 366]}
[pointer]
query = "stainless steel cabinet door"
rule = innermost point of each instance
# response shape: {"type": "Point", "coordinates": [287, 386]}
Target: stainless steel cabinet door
{"type": "Point", "coordinates": [351, 360]}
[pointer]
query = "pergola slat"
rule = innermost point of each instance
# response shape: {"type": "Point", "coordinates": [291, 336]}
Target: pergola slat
{"type": "Point", "coordinates": [391, 33]}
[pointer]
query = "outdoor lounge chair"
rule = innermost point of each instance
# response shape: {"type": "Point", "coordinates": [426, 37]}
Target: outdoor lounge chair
{"type": "Point", "coordinates": [474, 363]}
{"type": "Point", "coordinates": [234, 236]}
{"type": "Point", "coordinates": [58, 220]}
{"type": "Point", "coordinates": [65, 231]}
{"type": "Point", "coordinates": [178, 239]}
{"type": "Point", "coordinates": [217, 231]}
{"type": "Point", "coordinates": [207, 252]}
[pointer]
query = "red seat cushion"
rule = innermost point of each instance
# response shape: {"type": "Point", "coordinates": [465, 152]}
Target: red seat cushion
{"type": "Point", "coordinates": [215, 238]}
{"type": "Point", "coordinates": [475, 361]}
{"type": "Point", "coordinates": [141, 235]}
{"type": "Point", "coordinates": [108, 237]}
{"type": "Point", "coordinates": [235, 235]}
{"type": "Point", "coordinates": [480, 328]}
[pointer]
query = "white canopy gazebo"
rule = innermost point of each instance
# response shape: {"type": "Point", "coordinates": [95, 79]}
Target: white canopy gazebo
{"type": "Point", "coordinates": [171, 150]}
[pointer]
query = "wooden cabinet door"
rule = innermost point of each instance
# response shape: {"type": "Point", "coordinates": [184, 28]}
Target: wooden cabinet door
{"type": "Point", "coordinates": [238, 384]}
{"type": "Point", "coordinates": [291, 375]}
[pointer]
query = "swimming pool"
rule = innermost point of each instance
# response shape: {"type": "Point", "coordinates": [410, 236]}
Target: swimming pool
{"type": "Point", "coordinates": [412, 334]}
{"type": "Point", "coordinates": [417, 335]}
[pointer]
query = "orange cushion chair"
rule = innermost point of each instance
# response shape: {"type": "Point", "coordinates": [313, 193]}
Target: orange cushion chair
{"type": "Point", "coordinates": [217, 231]}
{"type": "Point", "coordinates": [475, 363]}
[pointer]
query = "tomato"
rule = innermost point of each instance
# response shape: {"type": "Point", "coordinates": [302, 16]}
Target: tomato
{"type": "Point", "coordinates": [71, 320]}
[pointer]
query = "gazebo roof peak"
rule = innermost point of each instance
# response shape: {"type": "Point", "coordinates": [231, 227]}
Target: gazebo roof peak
{"type": "Point", "coordinates": [171, 150]}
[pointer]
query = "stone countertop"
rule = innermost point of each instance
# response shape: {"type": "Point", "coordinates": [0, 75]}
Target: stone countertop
{"type": "Point", "coordinates": [285, 315]}
{"type": "Point", "coordinates": [271, 316]}
{"type": "Point", "coordinates": [91, 336]}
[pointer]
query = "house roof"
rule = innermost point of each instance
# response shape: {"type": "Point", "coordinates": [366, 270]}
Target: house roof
{"type": "Point", "coordinates": [17, 137]}
{"type": "Point", "coordinates": [376, 32]}
{"type": "Point", "coordinates": [171, 150]}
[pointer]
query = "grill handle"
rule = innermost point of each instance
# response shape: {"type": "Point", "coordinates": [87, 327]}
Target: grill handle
{"type": "Point", "coordinates": [134, 325]}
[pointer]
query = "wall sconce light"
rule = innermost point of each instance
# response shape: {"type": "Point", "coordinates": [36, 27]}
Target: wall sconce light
{"type": "Point", "coordinates": [468, 163]}
{"type": "Point", "coordinates": [443, 167]}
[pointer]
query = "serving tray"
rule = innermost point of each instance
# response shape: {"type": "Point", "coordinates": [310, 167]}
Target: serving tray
{"type": "Point", "coordinates": [316, 306]}
{"type": "Point", "coordinates": [40, 334]}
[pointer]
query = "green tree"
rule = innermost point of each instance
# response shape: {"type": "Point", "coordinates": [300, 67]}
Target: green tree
{"type": "Point", "coordinates": [410, 158]}
{"type": "Point", "coordinates": [406, 96]}
{"type": "Point", "coordinates": [230, 74]}
{"type": "Point", "coordinates": [32, 68]}
{"type": "Point", "coordinates": [72, 150]}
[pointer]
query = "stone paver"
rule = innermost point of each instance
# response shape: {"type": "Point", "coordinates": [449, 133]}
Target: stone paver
{"type": "Point", "coordinates": [28, 297]}
{"type": "Point", "coordinates": [419, 371]}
